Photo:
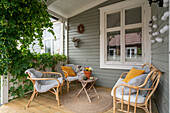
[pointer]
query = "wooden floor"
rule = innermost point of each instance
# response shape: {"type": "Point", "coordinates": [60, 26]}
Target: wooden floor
{"type": "Point", "coordinates": [45, 104]}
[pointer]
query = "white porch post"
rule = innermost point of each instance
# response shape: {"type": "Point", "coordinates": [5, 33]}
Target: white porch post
{"type": "Point", "coordinates": [169, 68]}
{"type": "Point", "coordinates": [4, 89]}
{"type": "Point", "coordinates": [66, 37]}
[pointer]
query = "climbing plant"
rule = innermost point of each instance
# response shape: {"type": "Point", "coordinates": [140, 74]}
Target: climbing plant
{"type": "Point", "coordinates": [22, 22]}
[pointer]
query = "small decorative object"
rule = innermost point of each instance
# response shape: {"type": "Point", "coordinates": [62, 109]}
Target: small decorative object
{"type": "Point", "coordinates": [88, 71]}
{"type": "Point", "coordinates": [166, 1]}
{"type": "Point", "coordinates": [155, 26]}
{"type": "Point", "coordinates": [159, 2]}
{"type": "Point", "coordinates": [91, 78]}
{"type": "Point", "coordinates": [154, 18]}
{"type": "Point", "coordinates": [166, 28]}
{"type": "Point", "coordinates": [85, 78]}
{"type": "Point", "coordinates": [152, 41]}
{"type": "Point", "coordinates": [162, 31]}
{"type": "Point", "coordinates": [158, 39]}
{"type": "Point", "coordinates": [155, 33]}
{"type": "Point", "coordinates": [165, 5]}
{"type": "Point", "coordinates": [165, 16]}
{"type": "Point", "coordinates": [150, 23]}
{"type": "Point", "coordinates": [76, 41]}
{"type": "Point", "coordinates": [80, 28]}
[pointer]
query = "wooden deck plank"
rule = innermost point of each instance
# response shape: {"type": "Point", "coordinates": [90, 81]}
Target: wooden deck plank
{"type": "Point", "coordinates": [46, 103]}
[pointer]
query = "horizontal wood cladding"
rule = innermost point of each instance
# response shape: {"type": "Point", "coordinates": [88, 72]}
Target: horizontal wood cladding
{"type": "Point", "coordinates": [160, 59]}
{"type": "Point", "coordinates": [88, 53]}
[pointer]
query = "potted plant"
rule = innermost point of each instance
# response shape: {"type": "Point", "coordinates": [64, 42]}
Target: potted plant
{"type": "Point", "coordinates": [76, 41]}
{"type": "Point", "coordinates": [88, 71]}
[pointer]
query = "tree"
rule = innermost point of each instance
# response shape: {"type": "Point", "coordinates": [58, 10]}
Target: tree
{"type": "Point", "coordinates": [21, 22]}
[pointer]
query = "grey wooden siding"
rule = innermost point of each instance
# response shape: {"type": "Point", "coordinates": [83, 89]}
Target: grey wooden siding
{"type": "Point", "coordinates": [160, 59]}
{"type": "Point", "coordinates": [88, 54]}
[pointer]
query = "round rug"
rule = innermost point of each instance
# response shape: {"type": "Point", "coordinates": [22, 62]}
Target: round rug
{"type": "Point", "coordinates": [81, 103]}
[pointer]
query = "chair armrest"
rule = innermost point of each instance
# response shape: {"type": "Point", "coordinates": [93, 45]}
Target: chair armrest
{"type": "Point", "coordinates": [44, 79]}
{"type": "Point", "coordinates": [54, 73]}
{"type": "Point", "coordinates": [123, 74]}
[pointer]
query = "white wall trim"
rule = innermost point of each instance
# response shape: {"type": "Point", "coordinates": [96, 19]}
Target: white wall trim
{"type": "Point", "coordinates": [146, 38]}
{"type": "Point", "coordinates": [4, 89]}
{"type": "Point", "coordinates": [49, 2]}
{"type": "Point", "coordinates": [56, 15]}
{"type": "Point", "coordinates": [66, 37]}
{"type": "Point", "coordinates": [169, 67]}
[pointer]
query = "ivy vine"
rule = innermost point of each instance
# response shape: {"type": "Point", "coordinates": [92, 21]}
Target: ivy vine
{"type": "Point", "coordinates": [22, 22]}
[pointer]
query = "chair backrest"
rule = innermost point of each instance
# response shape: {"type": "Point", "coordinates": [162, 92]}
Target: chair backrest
{"type": "Point", "coordinates": [32, 73]}
{"type": "Point", "coordinates": [154, 76]}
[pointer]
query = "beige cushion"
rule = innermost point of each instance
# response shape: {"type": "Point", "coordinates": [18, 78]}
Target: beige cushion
{"type": "Point", "coordinates": [141, 99]}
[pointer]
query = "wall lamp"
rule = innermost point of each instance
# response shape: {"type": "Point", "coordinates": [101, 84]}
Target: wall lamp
{"type": "Point", "coordinates": [159, 2]}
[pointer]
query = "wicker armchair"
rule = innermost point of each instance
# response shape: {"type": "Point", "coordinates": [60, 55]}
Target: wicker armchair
{"type": "Point", "coordinates": [54, 90]}
{"type": "Point", "coordinates": [154, 75]}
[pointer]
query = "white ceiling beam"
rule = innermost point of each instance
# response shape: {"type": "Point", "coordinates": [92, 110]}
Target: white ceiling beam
{"type": "Point", "coordinates": [84, 8]}
{"type": "Point", "coordinates": [56, 15]}
{"type": "Point", "coordinates": [49, 2]}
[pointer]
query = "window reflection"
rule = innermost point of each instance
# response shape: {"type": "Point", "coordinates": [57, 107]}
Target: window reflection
{"type": "Point", "coordinates": [113, 46]}
{"type": "Point", "coordinates": [133, 45]}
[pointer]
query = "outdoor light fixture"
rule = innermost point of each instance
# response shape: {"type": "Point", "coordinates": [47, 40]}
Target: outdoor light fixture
{"type": "Point", "coordinates": [159, 2]}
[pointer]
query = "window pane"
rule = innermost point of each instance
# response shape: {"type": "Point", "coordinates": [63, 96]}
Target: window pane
{"type": "Point", "coordinates": [47, 46]}
{"type": "Point", "coordinates": [133, 45]}
{"type": "Point", "coordinates": [57, 45]}
{"type": "Point", "coordinates": [57, 30]}
{"type": "Point", "coordinates": [113, 20]}
{"type": "Point", "coordinates": [133, 16]}
{"type": "Point", "coordinates": [48, 34]}
{"type": "Point", "coordinates": [113, 46]}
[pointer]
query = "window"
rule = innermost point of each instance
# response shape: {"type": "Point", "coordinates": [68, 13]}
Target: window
{"type": "Point", "coordinates": [52, 45]}
{"type": "Point", "coordinates": [124, 37]}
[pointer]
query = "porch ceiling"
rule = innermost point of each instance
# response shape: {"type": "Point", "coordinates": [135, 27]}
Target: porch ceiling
{"type": "Point", "coordinates": [69, 8]}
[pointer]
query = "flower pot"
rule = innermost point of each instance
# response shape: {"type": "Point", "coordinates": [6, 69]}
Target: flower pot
{"type": "Point", "coordinates": [88, 74]}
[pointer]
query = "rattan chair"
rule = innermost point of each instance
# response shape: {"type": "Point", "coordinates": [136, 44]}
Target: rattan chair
{"type": "Point", "coordinates": [54, 90]}
{"type": "Point", "coordinates": [154, 76]}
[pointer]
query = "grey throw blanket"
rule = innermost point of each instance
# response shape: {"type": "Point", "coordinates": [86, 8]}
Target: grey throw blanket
{"type": "Point", "coordinates": [42, 85]}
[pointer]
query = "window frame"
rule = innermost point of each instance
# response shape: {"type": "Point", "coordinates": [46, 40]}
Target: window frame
{"type": "Point", "coordinates": [146, 46]}
{"type": "Point", "coordinates": [52, 39]}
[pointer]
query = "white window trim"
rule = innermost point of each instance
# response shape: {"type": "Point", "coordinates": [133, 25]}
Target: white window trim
{"type": "Point", "coordinates": [146, 37]}
{"type": "Point", "coordinates": [52, 40]}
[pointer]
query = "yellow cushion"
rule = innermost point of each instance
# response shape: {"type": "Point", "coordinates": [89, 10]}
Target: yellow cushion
{"type": "Point", "coordinates": [69, 70]}
{"type": "Point", "coordinates": [132, 74]}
